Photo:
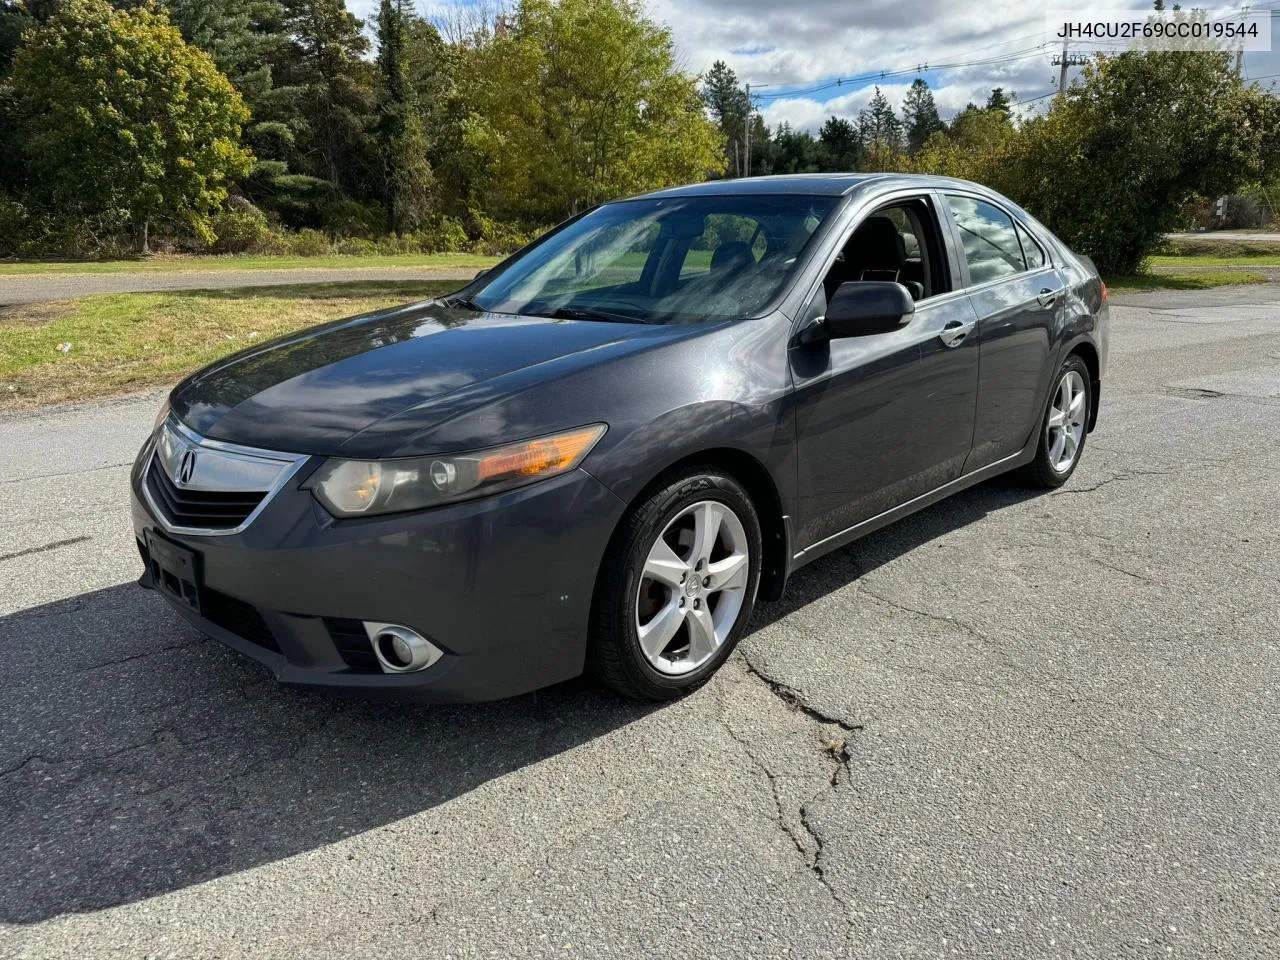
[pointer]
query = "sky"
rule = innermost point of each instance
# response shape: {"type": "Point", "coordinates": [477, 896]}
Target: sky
{"type": "Point", "coordinates": [792, 53]}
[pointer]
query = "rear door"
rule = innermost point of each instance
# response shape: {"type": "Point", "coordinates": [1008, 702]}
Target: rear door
{"type": "Point", "coordinates": [1016, 293]}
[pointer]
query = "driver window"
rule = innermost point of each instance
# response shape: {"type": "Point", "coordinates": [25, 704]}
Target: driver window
{"type": "Point", "coordinates": [899, 242]}
{"type": "Point", "coordinates": [990, 241]}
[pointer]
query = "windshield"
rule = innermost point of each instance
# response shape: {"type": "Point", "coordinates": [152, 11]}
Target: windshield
{"type": "Point", "coordinates": [674, 260]}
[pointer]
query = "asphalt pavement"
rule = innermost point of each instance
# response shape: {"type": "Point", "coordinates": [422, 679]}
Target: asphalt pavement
{"type": "Point", "coordinates": [34, 288]}
{"type": "Point", "coordinates": [1015, 725]}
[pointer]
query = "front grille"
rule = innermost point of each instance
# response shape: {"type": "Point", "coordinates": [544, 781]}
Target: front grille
{"type": "Point", "coordinates": [237, 617]}
{"type": "Point", "coordinates": [199, 509]}
{"type": "Point", "coordinates": [353, 644]}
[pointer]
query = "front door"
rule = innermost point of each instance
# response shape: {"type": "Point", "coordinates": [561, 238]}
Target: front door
{"type": "Point", "coordinates": [886, 418]}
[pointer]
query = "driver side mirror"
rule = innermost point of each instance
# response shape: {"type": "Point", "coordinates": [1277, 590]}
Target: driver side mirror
{"type": "Point", "coordinates": [861, 308]}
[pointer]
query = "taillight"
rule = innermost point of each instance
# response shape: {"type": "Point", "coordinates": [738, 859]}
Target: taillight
{"type": "Point", "coordinates": [1104, 290]}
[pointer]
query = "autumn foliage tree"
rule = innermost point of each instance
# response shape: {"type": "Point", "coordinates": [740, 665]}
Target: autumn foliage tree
{"type": "Point", "coordinates": [122, 124]}
{"type": "Point", "coordinates": [581, 101]}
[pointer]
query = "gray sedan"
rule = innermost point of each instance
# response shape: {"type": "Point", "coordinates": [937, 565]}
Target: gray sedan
{"type": "Point", "coordinates": [601, 453]}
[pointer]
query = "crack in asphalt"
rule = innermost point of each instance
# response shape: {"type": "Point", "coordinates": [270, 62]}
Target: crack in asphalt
{"type": "Point", "coordinates": [1117, 478]}
{"type": "Point", "coordinates": [837, 750]}
{"type": "Point", "coordinates": [140, 656]}
{"type": "Point", "coordinates": [794, 698]}
{"type": "Point", "coordinates": [70, 541]}
{"type": "Point", "coordinates": [67, 473]}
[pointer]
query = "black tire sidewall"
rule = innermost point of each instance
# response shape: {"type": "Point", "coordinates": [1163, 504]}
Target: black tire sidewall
{"type": "Point", "coordinates": [616, 601]}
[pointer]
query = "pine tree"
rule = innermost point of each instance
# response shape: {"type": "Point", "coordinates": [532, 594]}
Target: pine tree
{"type": "Point", "coordinates": [879, 126]}
{"type": "Point", "coordinates": [920, 115]}
{"type": "Point", "coordinates": [999, 100]}
{"type": "Point", "coordinates": [335, 90]}
{"type": "Point", "coordinates": [840, 144]}
{"type": "Point", "coordinates": [727, 102]}
{"type": "Point", "coordinates": [401, 133]}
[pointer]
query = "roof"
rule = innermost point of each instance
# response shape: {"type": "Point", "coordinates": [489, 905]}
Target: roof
{"type": "Point", "coordinates": [812, 184]}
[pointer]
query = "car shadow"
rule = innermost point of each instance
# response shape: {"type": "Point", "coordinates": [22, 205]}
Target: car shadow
{"type": "Point", "coordinates": [138, 758]}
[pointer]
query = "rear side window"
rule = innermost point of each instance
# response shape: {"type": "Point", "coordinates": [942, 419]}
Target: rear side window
{"type": "Point", "coordinates": [989, 238]}
{"type": "Point", "coordinates": [1033, 251]}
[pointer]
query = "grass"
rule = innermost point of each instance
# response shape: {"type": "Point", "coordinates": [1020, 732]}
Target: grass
{"type": "Point", "coordinates": [1197, 261]}
{"type": "Point", "coordinates": [1224, 248]}
{"type": "Point", "coordinates": [1183, 281]}
{"type": "Point", "coordinates": [130, 341]}
{"type": "Point", "coordinates": [169, 264]}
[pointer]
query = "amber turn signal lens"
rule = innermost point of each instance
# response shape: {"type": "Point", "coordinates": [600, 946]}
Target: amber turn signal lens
{"type": "Point", "coordinates": [548, 455]}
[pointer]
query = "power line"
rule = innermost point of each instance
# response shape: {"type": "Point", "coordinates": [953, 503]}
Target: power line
{"type": "Point", "coordinates": [919, 68]}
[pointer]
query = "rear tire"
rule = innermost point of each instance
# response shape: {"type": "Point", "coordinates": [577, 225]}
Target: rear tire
{"type": "Point", "coordinates": [676, 587]}
{"type": "Point", "coordinates": [1064, 428]}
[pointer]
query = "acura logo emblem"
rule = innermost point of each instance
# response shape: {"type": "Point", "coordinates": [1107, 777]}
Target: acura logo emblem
{"type": "Point", "coordinates": [187, 467]}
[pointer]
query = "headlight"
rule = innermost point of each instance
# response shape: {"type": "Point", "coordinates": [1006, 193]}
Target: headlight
{"type": "Point", "coordinates": [162, 416]}
{"type": "Point", "coordinates": [353, 488]}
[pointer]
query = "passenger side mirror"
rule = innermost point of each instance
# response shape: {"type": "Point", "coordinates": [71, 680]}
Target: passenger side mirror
{"type": "Point", "coordinates": [860, 308]}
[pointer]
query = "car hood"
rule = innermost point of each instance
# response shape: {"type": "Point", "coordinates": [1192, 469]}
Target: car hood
{"type": "Point", "coordinates": [325, 391]}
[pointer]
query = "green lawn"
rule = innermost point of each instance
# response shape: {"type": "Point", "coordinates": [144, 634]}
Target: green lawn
{"type": "Point", "coordinates": [461, 262]}
{"type": "Point", "coordinates": [1205, 260]}
{"type": "Point", "coordinates": [129, 341]}
{"type": "Point", "coordinates": [1183, 281]}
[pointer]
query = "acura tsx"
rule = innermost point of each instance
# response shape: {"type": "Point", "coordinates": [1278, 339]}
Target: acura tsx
{"type": "Point", "coordinates": [600, 453]}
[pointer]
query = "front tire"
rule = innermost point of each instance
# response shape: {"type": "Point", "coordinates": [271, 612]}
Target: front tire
{"type": "Point", "coordinates": [677, 587]}
{"type": "Point", "coordinates": [1065, 427]}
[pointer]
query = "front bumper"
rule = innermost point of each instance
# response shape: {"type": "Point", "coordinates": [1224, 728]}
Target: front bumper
{"type": "Point", "coordinates": [502, 585]}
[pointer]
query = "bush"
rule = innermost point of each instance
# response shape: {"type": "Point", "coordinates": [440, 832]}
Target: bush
{"type": "Point", "coordinates": [347, 218]}
{"type": "Point", "coordinates": [242, 228]}
{"type": "Point", "coordinates": [450, 236]}
{"type": "Point", "coordinates": [310, 243]}
{"type": "Point", "coordinates": [13, 227]}
{"type": "Point", "coordinates": [356, 247]}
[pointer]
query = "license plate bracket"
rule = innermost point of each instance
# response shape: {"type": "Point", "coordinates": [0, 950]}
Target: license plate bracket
{"type": "Point", "coordinates": [175, 571]}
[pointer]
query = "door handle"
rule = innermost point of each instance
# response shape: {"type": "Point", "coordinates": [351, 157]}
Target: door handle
{"type": "Point", "coordinates": [953, 333]}
{"type": "Point", "coordinates": [1047, 297]}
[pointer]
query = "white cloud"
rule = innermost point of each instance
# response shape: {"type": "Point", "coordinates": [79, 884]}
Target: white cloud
{"type": "Point", "coordinates": [781, 47]}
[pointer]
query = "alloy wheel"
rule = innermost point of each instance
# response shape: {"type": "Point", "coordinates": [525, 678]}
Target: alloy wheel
{"type": "Point", "coordinates": [1066, 426]}
{"type": "Point", "coordinates": [692, 587]}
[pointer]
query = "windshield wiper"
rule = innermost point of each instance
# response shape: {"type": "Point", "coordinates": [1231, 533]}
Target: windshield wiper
{"type": "Point", "coordinates": [588, 313]}
{"type": "Point", "coordinates": [465, 302]}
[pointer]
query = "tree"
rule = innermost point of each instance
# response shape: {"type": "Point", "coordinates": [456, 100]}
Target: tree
{"type": "Point", "coordinates": [881, 133]}
{"type": "Point", "coordinates": [727, 102]}
{"type": "Point", "coordinates": [325, 69]}
{"type": "Point", "coordinates": [920, 115]}
{"type": "Point", "coordinates": [562, 129]}
{"type": "Point", "coordinates": [437, 73]}
{"type": "Point", "coordinates": [840, 144]}
{"type": "Point", "coordinates": [788, 151]}
{"type": "Point", "coordinates": [402, 137]}
{"type": "Point", "coordinates": [122, 123]}
{"type": "Point", "coordinates": [1117, 154]}
{"type": "Point", "coordinates": [1000, 101]}
{"type": "Point", "coordinates": [978, 128]}
{"type": "Point", "coordinates": [15, 19]}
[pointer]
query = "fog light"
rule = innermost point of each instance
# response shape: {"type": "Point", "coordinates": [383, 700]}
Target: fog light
{"type": "Point", "coordinates": [399, 649]}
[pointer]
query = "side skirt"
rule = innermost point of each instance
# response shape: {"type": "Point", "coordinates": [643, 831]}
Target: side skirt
{"type": "Point", "coordinates": [845, 537]}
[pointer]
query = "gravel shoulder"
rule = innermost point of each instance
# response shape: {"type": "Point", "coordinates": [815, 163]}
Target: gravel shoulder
{"type": "Point", "coordinates": [20, 289]}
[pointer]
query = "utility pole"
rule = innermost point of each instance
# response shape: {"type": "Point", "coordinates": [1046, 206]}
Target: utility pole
{"type": "Point", "coordinates": [1240, 52]}
{"type": "Point", "coordinates": [748, 151]}
{"type": "Point", "coordinates": [1067, 59]}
